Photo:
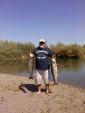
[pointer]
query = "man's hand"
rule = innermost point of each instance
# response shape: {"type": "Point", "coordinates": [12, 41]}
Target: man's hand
{"type": "Point", "coordinates": [53, 60]}
{"type": "Point", "coordinates": [31, 55]}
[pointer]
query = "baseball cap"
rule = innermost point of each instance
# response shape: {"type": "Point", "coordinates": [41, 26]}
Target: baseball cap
{"type": "Point", "coordinates": [42, 40]}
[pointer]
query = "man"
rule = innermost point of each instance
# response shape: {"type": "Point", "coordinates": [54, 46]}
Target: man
{"type": "Point", "coordinates": [42, 54]}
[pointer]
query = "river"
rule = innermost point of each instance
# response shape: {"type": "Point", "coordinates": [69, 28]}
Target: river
{"type": "Point", "coordinates": [74, 74]}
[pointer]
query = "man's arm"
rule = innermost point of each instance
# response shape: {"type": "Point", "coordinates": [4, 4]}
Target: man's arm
{"type": "Point", "coordinates": [32, 54]}
{"type": "Point", "coordinates": [52, 56]}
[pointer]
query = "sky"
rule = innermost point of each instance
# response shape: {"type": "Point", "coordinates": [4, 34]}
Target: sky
{"type": "Point", "coordinates": [54, 20]}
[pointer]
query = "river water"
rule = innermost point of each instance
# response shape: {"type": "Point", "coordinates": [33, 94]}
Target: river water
{"type": "Point", "coordinates": [74, 74]}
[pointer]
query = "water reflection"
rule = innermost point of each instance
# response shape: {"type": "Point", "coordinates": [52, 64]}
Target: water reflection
{"type": "Point", "coordinates": [71, 63]}
{"type": "Point", "coordinates": [14, 67]}
{"type": "Point", "coordinates": [74, 74]}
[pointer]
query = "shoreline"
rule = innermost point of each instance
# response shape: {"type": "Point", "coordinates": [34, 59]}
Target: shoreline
{"type": "Point", "coordinates": [18, 94]}
{"type": "Point", "coordinates": [76, 86]}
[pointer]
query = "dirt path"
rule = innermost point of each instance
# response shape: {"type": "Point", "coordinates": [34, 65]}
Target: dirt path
{"type": "Point", "coordinates": [18, 95]}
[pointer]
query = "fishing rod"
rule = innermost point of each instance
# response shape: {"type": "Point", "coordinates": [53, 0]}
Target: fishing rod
{"type": "Point", "coordinates": [32, 58]}
{"type": "Point", "coordinates": [56, 64]}
{"type": "Point", "coordinates": [62, 65]}
{"type": "Point", "coordinates": [54, 61]}
{"type": "Point", "coordinates": [18, 58]}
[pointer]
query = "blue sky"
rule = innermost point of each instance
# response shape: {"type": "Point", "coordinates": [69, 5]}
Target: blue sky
{"type": "Point", "coordinates": [54, 20]}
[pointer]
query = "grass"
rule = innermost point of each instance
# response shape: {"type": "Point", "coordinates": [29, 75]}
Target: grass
{"type": "Point", "coordinates": [12, 50]}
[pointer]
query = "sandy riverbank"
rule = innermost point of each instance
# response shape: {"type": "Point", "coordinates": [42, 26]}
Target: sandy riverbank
{"type": "Point", "coordinates": [18, 95]}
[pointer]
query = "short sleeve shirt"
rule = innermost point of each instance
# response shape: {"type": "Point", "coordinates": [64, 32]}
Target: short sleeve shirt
{"type": "Point", "coordinates": [42, 57]}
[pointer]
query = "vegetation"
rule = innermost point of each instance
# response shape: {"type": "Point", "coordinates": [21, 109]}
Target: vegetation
{"type": "Point", "coordinates": [68, 51]}
{"type": "Point", "coordinates": [12, 50]}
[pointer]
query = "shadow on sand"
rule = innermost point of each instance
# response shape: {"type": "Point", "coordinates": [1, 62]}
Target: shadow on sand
{"type": "Point", "coordinates": [29, 87]}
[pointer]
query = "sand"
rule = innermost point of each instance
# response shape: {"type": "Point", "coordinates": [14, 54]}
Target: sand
{"type": "Point", "coordinates": [18, 94]}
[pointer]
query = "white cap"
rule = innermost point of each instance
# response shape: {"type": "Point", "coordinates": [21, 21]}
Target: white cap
{"type": "Point", "coordinates": [42, 40]}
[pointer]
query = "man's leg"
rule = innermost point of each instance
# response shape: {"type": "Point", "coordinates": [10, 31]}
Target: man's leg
{"type": "Point", "coordinates": [46, 80]}
{"type": "Point", "coordinates": [47, 88]}
{"type": "Point", "coordinates": [38, 80]}
{"type": "Point", "coordinates": [39, 89]}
